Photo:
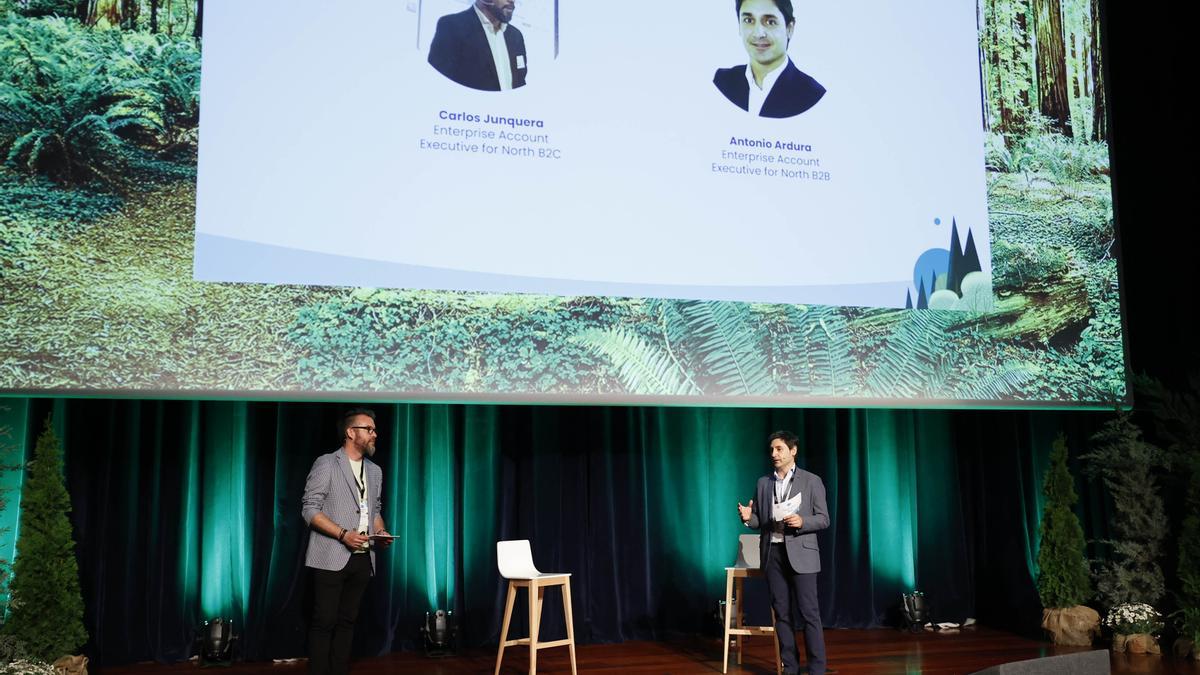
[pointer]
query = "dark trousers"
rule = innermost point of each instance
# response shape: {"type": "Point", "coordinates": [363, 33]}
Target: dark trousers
{"type": "Point", "coordinates": [787, 586]}
{"type": "Point", "coordinates": [336, 597]}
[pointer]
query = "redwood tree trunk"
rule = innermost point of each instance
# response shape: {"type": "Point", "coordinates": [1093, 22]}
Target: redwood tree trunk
{"type": "Point", "coordinates": [129, 12]}
{"type": "Point", "coordinates": [198, 30]}
{"type": "Point", "coordinates": [1021, 53]}
{"type": "Point", "coordinates": [1099, 104]}
{"type": "Point", "coordinates": [1053, 99]}
{"type": "Point", "coordinates": [1005, 114]}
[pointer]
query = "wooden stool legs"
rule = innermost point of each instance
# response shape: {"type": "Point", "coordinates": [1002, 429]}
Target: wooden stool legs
{"type": "Point", "coordinates": [566, 594]}
{"type": "Point", "coordinates": [537, 594]}
{"type": "Point", "coordinates": [508, 605]}
{"type": "Point", "coordinates": [535, 618]}
{"type": "Point", "coordinates": [734, 621]}
{"type": "Point", "coordinates": [728, 611]}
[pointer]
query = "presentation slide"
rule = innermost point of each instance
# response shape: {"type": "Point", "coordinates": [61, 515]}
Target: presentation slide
{"type": "Point", "coordinates": [760, 203]}
{"type": "Point", "coordinates": [620, 162]}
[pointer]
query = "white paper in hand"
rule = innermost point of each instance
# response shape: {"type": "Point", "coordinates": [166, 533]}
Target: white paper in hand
{"type": "Point", "coordinates": [784, 509]}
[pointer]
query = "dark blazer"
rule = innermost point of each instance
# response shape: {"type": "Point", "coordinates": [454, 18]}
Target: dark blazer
{"type": "Point", "coordinates": [460, 52]}
{"type": "Point", "coordinates": [793, 93]}
{"type": "Point", "coordinates": [801, 543]}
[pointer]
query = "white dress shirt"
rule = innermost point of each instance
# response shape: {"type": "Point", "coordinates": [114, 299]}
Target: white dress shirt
{"type": "Point", "coordinates": [360, 479]}
{"type": "Point", "coordinates": [782, 486]}
{"type": "Point", "coordinates": [495, 38]}
{"type": "Point", "coordinates": [758, 96]}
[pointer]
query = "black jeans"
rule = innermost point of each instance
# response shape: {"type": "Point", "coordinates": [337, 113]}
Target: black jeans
{"type": "Point", "coordinates": [336, 597]}
{"type": "Point", "coordinates": [787, 586]}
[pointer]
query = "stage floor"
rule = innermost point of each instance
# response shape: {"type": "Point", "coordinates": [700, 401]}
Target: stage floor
{"type": "Point", "coordinates": [850, 652]}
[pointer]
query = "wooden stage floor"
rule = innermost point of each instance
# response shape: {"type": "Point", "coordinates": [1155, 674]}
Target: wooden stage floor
{"type": "Point", "coordinates": [850, 652]}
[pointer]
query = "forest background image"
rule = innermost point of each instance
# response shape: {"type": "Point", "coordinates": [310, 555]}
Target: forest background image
{"type": "Point", "coordinates": [99, 107]}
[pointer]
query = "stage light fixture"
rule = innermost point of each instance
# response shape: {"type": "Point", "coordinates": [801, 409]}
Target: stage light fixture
{"type": "Point", "coordinates": [720, 613]}
{"type": "Point", "coordinates": [915, 609]}
{"type": "Point", "coordinates": [215, 642]}
{"type": "Point", "coordinates": [440, 631]}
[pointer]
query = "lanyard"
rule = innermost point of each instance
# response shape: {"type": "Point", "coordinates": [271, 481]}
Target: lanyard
{"type": "Point", "coordinates": [782, 486]}
{"type": "Point", "coordinates": [362, 481]}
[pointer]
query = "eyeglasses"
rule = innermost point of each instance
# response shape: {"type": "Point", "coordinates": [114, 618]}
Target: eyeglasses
{"type": "Point", "coordinates": [369, 430]}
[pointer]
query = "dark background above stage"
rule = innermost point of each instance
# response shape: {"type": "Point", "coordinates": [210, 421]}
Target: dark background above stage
{"type": "Point", "coordinates": [1154, 150]}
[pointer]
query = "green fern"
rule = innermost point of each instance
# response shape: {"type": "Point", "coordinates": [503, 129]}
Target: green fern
{"type": "Point", "coordinates": [921, 360]}
{"type": "Point", "coordinates": [157, 78]}
{"type": "Point", "coordinates": [720, 345]}
{"type": "Point", "coordinates": [643, 368]}
{"type": "Point", "coordinates": [73, 98]}
{"type": "Point", "coordinates": [53, 108]}
{"type": "Point", "coordinates": [809, 348]}
{"type": "Point", "coordinates": [673, 328]}
{"type": "Point", "coordinates": [826, 343]}
{"type": "Point", "coordinates": [994, 387]}
{"type": "Point", "coordinates": [727, 342]}
{"type": "Point", "coordinates": [911, 361]}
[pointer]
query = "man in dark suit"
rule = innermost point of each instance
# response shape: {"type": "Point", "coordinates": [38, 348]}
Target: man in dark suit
{"type": "Point", "coordinates": [479, 48]}
{"type": "Point", "coordinates": [788, 510]}
{"type": "Point", "coordinates": [770, 85]}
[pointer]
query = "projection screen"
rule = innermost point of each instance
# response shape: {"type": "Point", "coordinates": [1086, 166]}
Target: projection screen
{"type": "Point", "coordinates": [748, 203]}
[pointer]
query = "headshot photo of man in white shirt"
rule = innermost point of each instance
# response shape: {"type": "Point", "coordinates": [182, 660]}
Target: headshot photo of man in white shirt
{"type": "Point", "coordinates": [480, 48]}
{"type": "Point", "coordinates": [770, 85]}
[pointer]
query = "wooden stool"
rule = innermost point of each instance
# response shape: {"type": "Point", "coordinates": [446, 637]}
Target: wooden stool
{"type": "Point", "coordinates": [734, 584]}
{"type": "Point", "coordinates": [747, 565]}
{"type": "Point", "coordinates": [515, 560]}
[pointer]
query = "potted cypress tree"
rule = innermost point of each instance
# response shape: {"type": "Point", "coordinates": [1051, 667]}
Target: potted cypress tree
{"type": "Point", "coordinates": [46, 609]}
{"type": "Point", "coordinates": [1132, 577]}
{"type": "Point", "coordinates": [1178, 416]}
{"type": "Point", "coordinates": [1063, 583]}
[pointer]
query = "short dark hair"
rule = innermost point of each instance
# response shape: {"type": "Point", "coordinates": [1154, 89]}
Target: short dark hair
{"type": "Point", "coordinates": [348, 419]}
{"type": "Point", "coordinates": [785, 6]}
{"type": "Point", "coordinates": [789, 439]}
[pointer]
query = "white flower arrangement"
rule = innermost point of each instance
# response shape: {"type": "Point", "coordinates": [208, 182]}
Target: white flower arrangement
{"type": "Point", "coordinates": [1131, 618]}
{"type": "Point", "coordinates": [23, 667]}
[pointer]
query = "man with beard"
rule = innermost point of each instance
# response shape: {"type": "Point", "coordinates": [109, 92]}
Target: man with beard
{"type": "Point", "coordinates": [770, 85]}
{"type": "Point", "coordinates": [478, 48]}
{"type": "Point", "coordinates": [342, 506]}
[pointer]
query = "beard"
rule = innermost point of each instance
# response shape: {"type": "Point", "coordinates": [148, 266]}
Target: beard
{"type": "Point", "coordinates": [365, 448]}
{"type": "Point", "coordinates": [501, 13]}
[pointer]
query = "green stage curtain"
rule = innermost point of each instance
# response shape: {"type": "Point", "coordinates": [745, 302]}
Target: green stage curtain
{"type": "Point", "coordinates": [185, 510]}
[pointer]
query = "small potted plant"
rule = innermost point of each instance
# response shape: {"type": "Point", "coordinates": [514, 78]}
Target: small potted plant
{"type": "Point", "coordinates": [1187, 645]}
{"type": "Point", "coordinates": [1134, 626]}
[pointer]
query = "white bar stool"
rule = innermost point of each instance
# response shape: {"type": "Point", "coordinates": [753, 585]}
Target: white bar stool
{"type": "Point", "coordinates": [515, 560]}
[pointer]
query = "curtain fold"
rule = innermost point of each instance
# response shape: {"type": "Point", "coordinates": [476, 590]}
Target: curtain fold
{"type": "Point", "coordinates": [186, 510]}
{"type": "Point", "coordinates": [15, 426]}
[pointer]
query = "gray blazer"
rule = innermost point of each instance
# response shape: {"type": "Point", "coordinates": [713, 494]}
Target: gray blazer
{"type": "Point", "coordinates": [801, 543]}
{"type": "Point", "coordinates": [332, 490]}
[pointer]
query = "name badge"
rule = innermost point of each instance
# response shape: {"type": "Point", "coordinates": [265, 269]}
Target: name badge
{"type": "Point", "coordinates": [362, 508]}
{"type": "Point", "coordinates": [520, 61]}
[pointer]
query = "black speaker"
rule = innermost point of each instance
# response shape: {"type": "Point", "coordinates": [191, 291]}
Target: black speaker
{"type": "Point", "coordinates": [1083, 663]}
